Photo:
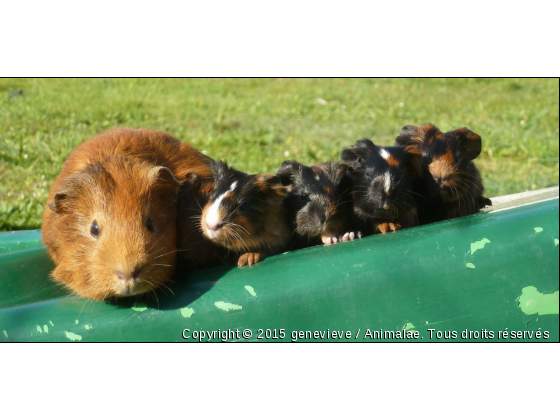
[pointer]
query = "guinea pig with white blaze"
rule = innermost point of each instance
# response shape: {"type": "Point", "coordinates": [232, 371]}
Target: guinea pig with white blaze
{"type": "Point", "coordinates": [110, 222]}
{"type": "Point", "coordinates": [383, 185]}
{"type": "Point", "coordinates": [319, 203]}
{"type": "Point", "coordinates": [245, 214]}
{"type": "Point", "coordinates": [452, 183]}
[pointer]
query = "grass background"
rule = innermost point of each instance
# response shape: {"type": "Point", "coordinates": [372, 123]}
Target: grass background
{"type": "Point", "coordinates": [257, 123]}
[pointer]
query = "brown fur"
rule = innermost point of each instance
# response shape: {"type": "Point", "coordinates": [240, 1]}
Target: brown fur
{"type": "Point", "coordinates": [443, 166]}
{"type": "Point", "coordinates": [452, 185]}
{"type": "Point", "coordinates": [393, 162]}
{"type": "Point", "coordinates": [254, 245]}
{"type": "Point", "coordinates": [118, 178]}
{"type": "Point", "coordinates": [249, 239]}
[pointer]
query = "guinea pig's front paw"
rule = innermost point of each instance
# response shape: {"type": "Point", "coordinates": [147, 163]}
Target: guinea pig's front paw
{"type": "Point", "coordinates": [329, 239]}
{"type": "Point", "coordinates": [456, 212]}
{"type": "Point", "coordinates": [250, 258]}
{"type": "Point", "coordinates": [386, 227]}
{"type": "Point", "coordinates": [349, 236]}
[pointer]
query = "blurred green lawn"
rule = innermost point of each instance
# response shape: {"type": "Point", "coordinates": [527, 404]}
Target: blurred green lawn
{"type": "Point", "coordinates": [257, 123]}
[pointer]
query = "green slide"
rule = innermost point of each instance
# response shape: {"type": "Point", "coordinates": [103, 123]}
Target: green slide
{"type": "Point", "coordinates": [487, 277]}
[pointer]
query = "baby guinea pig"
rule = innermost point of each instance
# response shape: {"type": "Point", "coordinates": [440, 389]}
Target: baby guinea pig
{"type": "Point", "coordinates": [383, 185]}
{"type": "Point", "coordinates": [451, 182]}
{"type": "Point", "coordinates": [110, 222]}
{"type": "Point", "coordinates": [319, 202]}
{"type": "Point", "coordinates": [245, 214]}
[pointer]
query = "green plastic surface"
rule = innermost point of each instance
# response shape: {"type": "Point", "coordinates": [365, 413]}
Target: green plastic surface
{"type": "Point", "coordinates": [490, 272]}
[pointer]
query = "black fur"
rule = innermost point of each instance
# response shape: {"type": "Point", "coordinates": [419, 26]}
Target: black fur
{"type": "Point", "coordinates": [319, 201]}
{"type": "Point", "coordinates": [373, 205]}
{"type": "Point", "coordinates": [442, 201]}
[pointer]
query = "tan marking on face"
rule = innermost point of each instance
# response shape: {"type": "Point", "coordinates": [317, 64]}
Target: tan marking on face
{"type": "Point", "coordinates": [393, 162]}
{"type": "Point", "coordinates": [443, 165]}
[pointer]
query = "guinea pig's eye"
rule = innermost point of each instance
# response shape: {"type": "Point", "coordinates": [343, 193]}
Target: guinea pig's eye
{"type": "Point", "coordinates": [303, 196]}
{"type": "Point", "coordinates": [369, 172]}
{"type": "Point", "coordinates": [242, 206]}
{"type": "Point", "coordinates": [94, 230]}
{"type": "Point", "coordinates": [150, 224]}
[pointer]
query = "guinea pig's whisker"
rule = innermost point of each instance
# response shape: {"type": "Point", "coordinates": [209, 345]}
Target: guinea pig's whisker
{"type": "Point", "coordinates": [171, 252]}
{"type": "Point", "coordinates": [238, 236]}
{"type": "Point", "coordinates": [469, 182]}
{"type": "Point", "coordinates": [413, 192]}
{"type": "Point", "coordinates": [467, 192]}
{"type": "Point", "coordinates": [463, 173]}
{"type": "Point", "coordinates": [150, 253]}
{"type": "Point", "coordinates": [155, 244]}
{"type": "Point", "coordinates": [153, 292]}
{"type": "Point", "coordinates": [189, 208]}
{"type": "Point", "coordinates": [459, 162]}
{"type": "Point", "coordinates": [245, 230]}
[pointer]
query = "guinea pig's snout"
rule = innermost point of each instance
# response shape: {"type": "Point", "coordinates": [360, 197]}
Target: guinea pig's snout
{"type": "Point", "coordinates": [213, 221]}
{"type": "Point", "coordinates": [440, 181]}
{"type": "Point", "coordinates": [214, 226]}
{"type": "Point", "coordinates": [129, 275]}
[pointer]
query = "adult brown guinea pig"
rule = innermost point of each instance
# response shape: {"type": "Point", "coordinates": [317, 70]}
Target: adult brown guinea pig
{"type": "Point", "coordinates": [319, 202]}
{"type": "Point", "coordinates": [451, 182]}
{"type": "Point", "coordinates": [383, 185]}
{"type": "Point", "coordinates": [245, 214]}
{"type": "Point", "coordinates": [110, 223]}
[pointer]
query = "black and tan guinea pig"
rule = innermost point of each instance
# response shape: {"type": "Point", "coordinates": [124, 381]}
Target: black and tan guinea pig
{"type": "Point", "coordinates": [451, 182]}
{"type": "Point", "coordinates": [110, 222]}
{"type": "Point", "coordinates": [383, 185]}
{"type": "Point", "coordinates": [245, 214]}
{"type": "Point", "coordinates": [318, 202]}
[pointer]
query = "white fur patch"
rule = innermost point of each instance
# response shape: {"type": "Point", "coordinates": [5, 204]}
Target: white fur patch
{"type": "Point", "coordinates": [213, 214]}
{"type": "Point", "coordinates": [387, 181]}
{"type": "Point", "coordinates": [384, 154]}
{"type": "Point", "coordinates": [317, 177]}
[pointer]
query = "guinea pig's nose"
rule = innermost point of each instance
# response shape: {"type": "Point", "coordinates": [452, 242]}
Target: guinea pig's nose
{"type": "Point", "coordinates": [214, 227]}
{"type": "Point", "coordinates": [125, 275]}
{"type": "Point", "coordinates": [439, 181]}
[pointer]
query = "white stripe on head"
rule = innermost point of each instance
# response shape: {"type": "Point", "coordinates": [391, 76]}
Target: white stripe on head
{"type": "Point", "coordinates": [387, 179]}
{"type": "Point", "coordinates": [384, 154]}
{"type": "Point", "coordinates": [213, 214]}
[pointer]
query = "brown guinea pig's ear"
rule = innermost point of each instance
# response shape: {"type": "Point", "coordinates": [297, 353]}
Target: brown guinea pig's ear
{"type": "Point", "coordinates": [62, 202]}
{"type": "Point", "coordinates": [414, 159]}
{"type": "Point", "coordinates": [287, 171]}
{"type": "Point", "coordinates": [72, 187]}
{"type": "Point", "coordinates": [469, 142]}
{"type": "Point", "coordinates": [162, 177]}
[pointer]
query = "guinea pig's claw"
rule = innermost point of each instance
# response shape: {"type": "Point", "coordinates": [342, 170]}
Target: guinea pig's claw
{"type": "Point", "coordinates": [386, 227]}
{"type": "Point", "coordinates": [359, 233]}
{"type": "Point", "coordinates": [249, 258]}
